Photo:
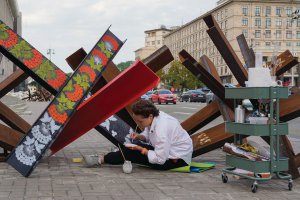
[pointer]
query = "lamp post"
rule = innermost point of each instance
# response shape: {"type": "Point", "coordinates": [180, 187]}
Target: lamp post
{"type": "Point", "coordinates": [50, 52]}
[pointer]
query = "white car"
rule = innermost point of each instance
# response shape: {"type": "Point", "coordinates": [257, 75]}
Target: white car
{"type": "Point", "coordinates": [145, 97]}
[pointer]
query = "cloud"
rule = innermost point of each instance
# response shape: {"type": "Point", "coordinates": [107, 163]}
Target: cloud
{"type": "Point", "coordinates": [70, 24]}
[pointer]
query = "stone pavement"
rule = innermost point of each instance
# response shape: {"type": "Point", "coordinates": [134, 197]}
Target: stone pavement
{"type": "Point", "coordinates": [58, 177]}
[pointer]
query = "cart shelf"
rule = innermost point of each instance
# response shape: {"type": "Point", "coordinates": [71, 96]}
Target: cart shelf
{"type": "Point", "coordinates": [257, 166]}
{"type": "Point", "coordinates": [256, 129]}
{"type": "Point", "coordinates": [256, 93]}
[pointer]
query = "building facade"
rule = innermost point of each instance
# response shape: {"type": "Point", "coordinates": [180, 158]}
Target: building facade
{"type": "Point", "coordinates": [9, 14]}
{"type": "Point", "coordinates": [153, 41]}
{"type": "Point", "coordinates": [268, 27]}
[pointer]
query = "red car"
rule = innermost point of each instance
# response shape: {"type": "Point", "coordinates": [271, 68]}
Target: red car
{"type": "Point", "coordinates": [163, 96]}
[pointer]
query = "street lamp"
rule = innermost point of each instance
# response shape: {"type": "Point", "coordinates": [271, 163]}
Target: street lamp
{"type": "Point", "coordinates": [50, 52]}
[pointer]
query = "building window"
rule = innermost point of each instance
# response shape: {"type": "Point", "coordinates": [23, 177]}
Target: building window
{"type": "Point", "coordinates": [288, 44]}
{"type": "Point", "coordinates": [257, 22]}
{"type": "Point", "coordinates": [288, 23]}
{"type": "Point", "coordinates": [298, 35]}
{"type": "Point", "coordinates": [257, 11]}
{"type": "Point", "coordinates": [278, 34]}
{"type": "Point", "coordinates": [298, 22]}
{"type": "Point", "coordinates": [245, 21]}
{"type": "Point", "coordinates": [268, 44]}
{"type": "Point", "coordinates": [278, 22]}
{"type": "Point", "coordinates": [268, 22]}
{"type": "Point", "coordinates": [268, 33]}
{"type": "Point", "coordinates": [298, 44]}
{"type": "Point", "coordinates": [153, 42]}
{"type": "Point", "coordinates": [268, 10]}
{"type": "Point", "coordinates": [289, 11]}
{"type": "Point", "coordinates": [257, 44]}
{"type": "Point", "coordinates": [257, 33]}
{"type": "Point", "coordinates": [288, 34]}
{"type": "Point", "coordinates": [158, 41]}
{"type": "Point", "coordinates": [245, 10]}
{"type": "Point", "coordinates": [278, 11]}
{"type": "Point", "coordinates": [245, 32]}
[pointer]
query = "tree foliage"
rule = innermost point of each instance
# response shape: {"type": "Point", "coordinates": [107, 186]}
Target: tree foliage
{"type": "Point", "coordinates": [179, 77]}
{"type": "Point", "coordinates": [123, 65]}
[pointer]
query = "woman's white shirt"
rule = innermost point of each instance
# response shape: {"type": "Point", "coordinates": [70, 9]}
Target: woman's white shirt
{"type": "Point", "coordinates": [169, 139]}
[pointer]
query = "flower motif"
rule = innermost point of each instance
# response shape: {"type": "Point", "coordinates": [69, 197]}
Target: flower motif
{"type": "Point", "coordinates": [39, 147]}
{"type": "Point", "coordinates": [106, 123]}
{"type": "Point", "coordinates": [110, 43]}
{"type": "Point", "coordinates": [26, 153]}
{"type": "Point", "coordinates": [49, 123]}
{"type": "Point", "coordinates": [114, 133]}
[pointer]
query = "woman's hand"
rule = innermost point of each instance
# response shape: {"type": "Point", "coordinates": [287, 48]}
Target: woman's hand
{"type": "Point", "coordinates": [143, 151]}
{"type": "Point", "coordinates": [134, 136]}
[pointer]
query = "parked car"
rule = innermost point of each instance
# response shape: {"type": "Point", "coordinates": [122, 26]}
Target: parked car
{"type": "Point", "coordinates": [204, 89]}
{"type": "Point", "coordinates": [163, 96]}
{"type": "Point", "coordinates": [145, 97]}
{"type": "Point", "coordinates": [210, 96]}
{"type": "Point", "coordinates": [149, 94]}
{"type": "Point", "coordinates": [193, 96]}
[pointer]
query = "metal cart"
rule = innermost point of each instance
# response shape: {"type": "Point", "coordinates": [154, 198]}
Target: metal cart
{"type": "Point", "coordinates": [276, 164]}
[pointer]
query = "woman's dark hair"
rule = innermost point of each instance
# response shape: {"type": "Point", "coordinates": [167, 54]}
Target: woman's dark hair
{"type": "Point", "coordinates": [144, 108]}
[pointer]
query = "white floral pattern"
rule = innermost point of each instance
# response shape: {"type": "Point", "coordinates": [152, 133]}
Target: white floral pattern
{"type": "Point", "coordinates": [42, 134]}
{"type": "Point", "coordinates": [106, 123]}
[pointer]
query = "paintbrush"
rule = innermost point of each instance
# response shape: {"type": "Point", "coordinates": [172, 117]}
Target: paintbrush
{"type": "Point", "coordinates": [122, 153]}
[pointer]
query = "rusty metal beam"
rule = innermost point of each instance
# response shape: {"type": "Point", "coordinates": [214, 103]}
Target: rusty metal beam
{"type": "Point", "coordinates": [155, 62]}
{"type": "Point", "coordinates": [12, 119]}
{"type": "Point", "coordinates": [247, 53]}
{"type": "Point", "coordinates": [210, 139]}
{"type": "Point", "coordinates": [289, 108]}
{"type": "Point", "coordinates": [201, 118]}
{"type": "Point", "coordinates": [202, 74]}
{"type": "Point", "coordinates": [10, 136]}
{"type": "Point", "coordinates": [12, 81]}
{"type": "Point", "coordinates": [285, 62]}
{"type": "Point", "coordinates": [226, 107]}
{"type": "Point", "coordinates": [226, 50]}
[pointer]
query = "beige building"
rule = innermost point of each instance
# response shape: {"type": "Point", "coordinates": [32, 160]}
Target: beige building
{"type": "Point", "coordinates": [267, 25]}
{"type": "Point", "coordinates": [153, 41]}
{"type": "Point", "coordinates": [9, 14]}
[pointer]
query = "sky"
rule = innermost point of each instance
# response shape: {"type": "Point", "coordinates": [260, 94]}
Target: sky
{"type": "Point", "coordinates": [67, 25]}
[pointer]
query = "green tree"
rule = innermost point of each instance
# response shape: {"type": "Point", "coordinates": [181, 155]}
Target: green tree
{"type": "Point", "coordinates": [179, 77]}
{"type": "Point", "coordinates": [123, 65]}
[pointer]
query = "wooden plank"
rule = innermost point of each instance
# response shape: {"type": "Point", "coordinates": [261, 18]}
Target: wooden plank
{"type": "Point", "coordinates": [12, 81]}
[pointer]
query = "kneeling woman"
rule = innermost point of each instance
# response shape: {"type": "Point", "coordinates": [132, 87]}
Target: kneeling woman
{"type": "Point", "coordinates": [171, 146]}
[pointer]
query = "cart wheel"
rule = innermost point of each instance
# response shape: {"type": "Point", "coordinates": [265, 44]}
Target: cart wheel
{"type": "Point", "coordinates": [254, 187]}
{"type": "Point", "coordinates": [290, 185]}
{"type": "Point", "coordinates": [224, 178]}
